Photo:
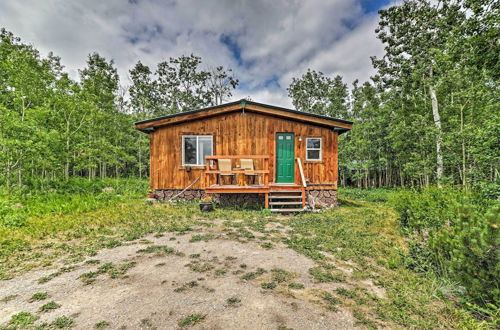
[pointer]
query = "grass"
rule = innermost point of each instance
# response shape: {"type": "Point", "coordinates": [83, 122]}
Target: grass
{"type": "Point", "coordinates": [268, 285]}
{"type": "Point", "coordinates": [186, 286]}
{"type": "Point", "coordinates": [200, 267]}
{"type": "Point", "coordinates": [281, 275]}
{"type": "Point", "coordinates": [296, 286]}
{"type": "Point", "coordinates": [191, 320]}
{"type": "Point", "coordinates": [158, 250]}
{"type": "Point", "coordinates": [62, 322]}
{"type": "Point", "coordinates": [23, 320]}
{"type": "Point", "coordinates": [201, 237]}
{"type": "Point", "coordinates": [49, 306]}
{"type": "Point", "coordinates": [363, 235]}
{"type": "Point", "coordinates": [109, 268]}
{"type": "Point", "coordinates": [102, 325]}
{"type": "Point", "coordinates": [232, 301]}
{"type": "Point", "coordinates": [321, 275]}
{"type": "Point", "coordinates": [251, 275]}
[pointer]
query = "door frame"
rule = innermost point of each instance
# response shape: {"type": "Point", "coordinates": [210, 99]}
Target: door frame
{"type": "Point", "coordinates": [275, 138]}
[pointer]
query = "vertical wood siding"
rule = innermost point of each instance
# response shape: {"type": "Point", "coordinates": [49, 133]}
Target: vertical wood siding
{"type": "Point", "coordinates": [240, 134]}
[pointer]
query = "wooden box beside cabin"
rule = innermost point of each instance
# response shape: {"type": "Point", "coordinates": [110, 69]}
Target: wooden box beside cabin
{"type": "Point", "coordinates": [244, 129]}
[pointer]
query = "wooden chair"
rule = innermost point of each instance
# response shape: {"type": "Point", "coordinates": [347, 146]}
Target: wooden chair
{"type": "Point", "coordinates": [247, 164]}
{"type": "Point", "coordinates": [225, 165]}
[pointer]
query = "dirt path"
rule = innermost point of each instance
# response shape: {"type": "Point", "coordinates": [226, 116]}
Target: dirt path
{"type": "Point", "coordinates": [224, 283]}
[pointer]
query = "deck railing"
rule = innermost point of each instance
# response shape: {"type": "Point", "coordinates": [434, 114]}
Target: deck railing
{"type": "Point", "coordinates": [303, 181]}
{"type": "Point", "coordinates": [214, 169]}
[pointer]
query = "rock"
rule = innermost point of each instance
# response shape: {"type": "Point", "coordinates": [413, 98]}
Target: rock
{"type": "Point", "coordinates": [108, 189]}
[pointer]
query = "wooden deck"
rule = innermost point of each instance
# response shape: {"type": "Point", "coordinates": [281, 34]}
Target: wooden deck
{"type": "Point", "coordinates": [274, 191]}
{"type": "Point", "coordinates": [236, 189]}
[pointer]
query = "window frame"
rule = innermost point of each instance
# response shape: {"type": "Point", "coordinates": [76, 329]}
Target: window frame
{"type": "Point", "coordinates": [197, 148]}
{"type": "Point", "coordinates": [320, 149]}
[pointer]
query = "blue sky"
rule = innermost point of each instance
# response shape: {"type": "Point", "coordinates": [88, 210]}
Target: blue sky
{"type": "Point", "coordinates": [266, 43]}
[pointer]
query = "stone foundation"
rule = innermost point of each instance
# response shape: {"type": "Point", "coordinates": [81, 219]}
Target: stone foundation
{"type": "Point", "coordinates": [255, 200]}
{"type": "Point", "coordinates": [188, 195]}
{"type": "Point", "coordinates": [223, 199]}
{"type": "Point", "coordinates": [322, 198]}
{"type": "Point", "coordinates": [316, 199]}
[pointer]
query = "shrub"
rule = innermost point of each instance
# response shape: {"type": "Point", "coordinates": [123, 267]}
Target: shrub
{"type": "Point", "coordinates": [468, 252]}
{"type": "Point", "coordinates": [453, 233]}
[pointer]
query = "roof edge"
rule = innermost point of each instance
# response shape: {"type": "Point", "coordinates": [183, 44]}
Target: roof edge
{"type": "Point", "coordinates": [247, 102]}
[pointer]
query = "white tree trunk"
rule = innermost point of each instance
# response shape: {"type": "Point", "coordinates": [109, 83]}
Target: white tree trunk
{"type": "Point", "coordinates": [439, 137]}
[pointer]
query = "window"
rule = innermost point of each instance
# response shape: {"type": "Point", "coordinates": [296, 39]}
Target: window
{"type": "Point", "coordinates": [313, 149]}
{"type": "Point", "coordinates": [195, 148]}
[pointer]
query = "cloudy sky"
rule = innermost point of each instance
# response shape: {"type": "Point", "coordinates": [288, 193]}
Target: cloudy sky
{"type": "Point", "coordinates": [266, 43]}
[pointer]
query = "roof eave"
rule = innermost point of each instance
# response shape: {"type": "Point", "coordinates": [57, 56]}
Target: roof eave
{"type": "Point", "coordinates": [244, 103]}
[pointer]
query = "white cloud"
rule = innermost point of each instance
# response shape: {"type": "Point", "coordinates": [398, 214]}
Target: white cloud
{"type": "Point", "coordinates": [276, 40]}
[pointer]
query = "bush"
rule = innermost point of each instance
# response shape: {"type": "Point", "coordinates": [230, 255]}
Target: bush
{"type": "Point", "coordinates": [468, 252]}
{"type": "Point", "coordinates": [453, 233]}
{"type": "Point", "coordinates": [433, 207]}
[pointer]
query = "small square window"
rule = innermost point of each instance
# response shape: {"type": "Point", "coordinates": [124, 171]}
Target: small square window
{"type": "Point", "coordinates": [313, 149]}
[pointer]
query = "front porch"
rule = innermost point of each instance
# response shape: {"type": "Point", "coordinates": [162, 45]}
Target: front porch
{"type": "Point", "coordinates": [282, 197]}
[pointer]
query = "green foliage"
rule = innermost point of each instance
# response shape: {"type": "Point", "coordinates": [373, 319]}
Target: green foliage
{"type": "Point", "coordinates": [468, 252]}
{"type": "Point", "coordinates": [62, 322]}
{"type": "Point", "coordinates": [49, 306]}
{"type": "Point", "coordinates": [191, 320]}
{"type": "Point", "coordinates": [369, 195]}
{"type": "Point", "coordinates": [433, 207]}
{"type": "Point", "coordinates": [454, 233]}
{"type": "Point", "coordinates": [101, 325]}
{"type": "Point", "coordinates": [323, 276]}
{"type": "Point", "coordinates": [39, 296]}
{"type": "Point", "coordinates": [268, 285]}
{"type": "Point", "coordinates": [314, 92]}
{"type": "Point", "coordinates": [76, 195]}
{"type": "Point", "coordinates": [23, 319]}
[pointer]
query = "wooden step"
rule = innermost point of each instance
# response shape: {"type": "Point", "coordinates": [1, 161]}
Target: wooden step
{"type": "Point", "coordinates": [287, 210]}
{"type": "Point", "coordinates": [285, 191]}
{"type": "Point", "coordinates": [285, 197]}
{"type": "Point", "coordinates": [285, 203]}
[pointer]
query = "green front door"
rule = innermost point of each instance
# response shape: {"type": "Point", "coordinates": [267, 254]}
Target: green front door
{"type": "Point", "coordinates": [285, 158]}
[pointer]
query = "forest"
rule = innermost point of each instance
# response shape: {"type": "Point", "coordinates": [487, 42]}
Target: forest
{"type": "Point", "coordinates": [426, 127]}
{"type": "Point", "coordinates": [428, 116]}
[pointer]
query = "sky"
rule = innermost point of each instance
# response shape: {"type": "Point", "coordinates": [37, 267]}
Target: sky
{"type": "Point", "coordinates": [265, 43]}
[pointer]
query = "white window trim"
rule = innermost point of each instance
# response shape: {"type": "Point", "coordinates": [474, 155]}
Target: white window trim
{"type": "Point", "coordinates": [320, 149]}
{"type": "Point", "coordinates": [197, 148]}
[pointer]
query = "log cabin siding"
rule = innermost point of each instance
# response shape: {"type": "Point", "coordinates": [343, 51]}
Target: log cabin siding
{"type": "Point", "coordinates": [239, 133]}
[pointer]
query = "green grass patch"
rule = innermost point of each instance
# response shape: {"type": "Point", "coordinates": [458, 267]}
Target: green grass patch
{"type": "Point", "coordinates": [101, 325]}
{"type": "Point", "coordinates": [321, 275]}
{"type": "Point", "coordinates": [268, 285]}
{"type": "Point", "coordinates": [38, 296]}
{"type": "Point", "coordinates": [281, 275]}
{"type": "Point", "coordinates": [232, 301]}
{"type": "Point", "coordinates": [296, 286]}
{"type": "Point", "coordinates": [157, 250]}
{"type": "Point", "coordinates": [191, 320]}
{"type": "Point", "coordinates": [51, 305]}
{"type": "Point", "coordinates": [201, 237]}
{"type": "Point", "coordinates": [200, 267]}
{"type": "Point", "coordinates": [23, 320]}
{"type": "Point", "coordinates": [114, 271]}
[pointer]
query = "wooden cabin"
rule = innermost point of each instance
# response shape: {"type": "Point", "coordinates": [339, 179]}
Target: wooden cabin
{"type": "Point", "coordinates": [246, 152]}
